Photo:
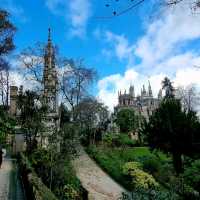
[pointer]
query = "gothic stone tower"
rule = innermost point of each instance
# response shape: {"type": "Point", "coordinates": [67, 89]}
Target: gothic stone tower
{"type": "Point", "coordinates": [50, 88]}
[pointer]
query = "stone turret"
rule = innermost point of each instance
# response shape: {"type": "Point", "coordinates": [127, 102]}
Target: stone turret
{"type": "Point", "coordinates": [13, 100]}
{"type": "Point", "coordinates": [144, 92]}
{"type": "Point", "coordinates": [160, 94]}
{"type": "Point", "coordinates": [132, 91]}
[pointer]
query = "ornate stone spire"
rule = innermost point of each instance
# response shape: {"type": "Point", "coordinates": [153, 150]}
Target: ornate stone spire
{"type": "Point", "coordinates": [50, 76]}
{"type": "Point", "coordinates": [160, 94]}
{"type": "Point", "coordinates": [49, 57]}
{"type": "Point", "coordinates": [49, 35]}
{"type": "Point", "coordinates": [144, 90]}
{"type": "Point", "coordinates": [150, 90]}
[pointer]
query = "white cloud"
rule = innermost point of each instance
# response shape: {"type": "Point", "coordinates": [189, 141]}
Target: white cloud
{"type": "Point", "coordinates": [122, 48]}
{"type": "Point", "coordinates": [80, 11]}
{"type": "Point", "coordinates": [165, 36]}
{"type": "Point", "coordinates": [76, 14]}
{"type": "Point", "coordinates": [161, 53]}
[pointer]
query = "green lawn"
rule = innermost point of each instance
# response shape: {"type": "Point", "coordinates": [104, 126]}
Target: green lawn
{"type": "Point", "coordinates": [113, 159]}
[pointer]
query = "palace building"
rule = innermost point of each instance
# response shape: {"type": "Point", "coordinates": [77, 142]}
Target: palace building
{"type": "Point", "coordinates": [143, 104]}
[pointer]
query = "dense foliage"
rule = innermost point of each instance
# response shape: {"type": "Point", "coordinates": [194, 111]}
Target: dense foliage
{"type": "Point", "coordinates": [112, 160]}
{"type": "Point", "coordinates": [173, 130]}
{"type": "Point", "coordinates": [192, 175]}
{"type": "Point", "coordinates": [31, 117]}
{"type": "Point", "coordinates": [57, 173]}
{"type": "Point", "coordinates": [6, 126]}
{"type": "Point", "coordinates": [118, 140]}
{"type": "Point", "coordinates": [35, 188]}
{"type": "Point", "coordinates": [139, 178]}
{"type": "Point", "coordinates": [7, 30]}
{"type": "Point", "coordinates": [126, 120]}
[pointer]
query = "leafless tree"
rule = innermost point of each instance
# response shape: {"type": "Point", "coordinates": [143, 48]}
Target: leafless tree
{"type": "Point", "coordinates": [4, 82]}
{"type": "Point", "coordinates": [189, 97]}
{"type": "Point", "coordinates": [32, 62]}
{"type": "Point", "coordinates": [74, 79]}
{"type": "Point", "coordinates": [92, 117]}
{"type": "Point", "coordinates": [7, 31]}
{"type": "Point", "coordinates": [75, 82]}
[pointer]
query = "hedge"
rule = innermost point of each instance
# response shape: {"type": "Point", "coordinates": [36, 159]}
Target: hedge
{"type": "Point", "coordinates": [34, 187]}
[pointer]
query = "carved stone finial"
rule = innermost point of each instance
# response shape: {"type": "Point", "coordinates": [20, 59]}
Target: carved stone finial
{"type": "Point", "coordinates": [49, 34]}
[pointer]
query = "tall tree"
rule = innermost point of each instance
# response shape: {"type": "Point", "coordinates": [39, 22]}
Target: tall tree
{"type": "Point", "coordinates": [6, 125]}
{"type": "Point", "coordinates": [75, 82]}
{"type": "Point", "coordinates": [189, 97]}
{"type": "Point", "coordinates": [74, 78]}
{"type": "Point", "coordinates": [32, 62]}
{"type": "Point", "coordinates": [4, 82]}
{"type": "Point", "coordinates": [7, 31]}
{"type": "Point", "coordinates": [32, 113]}
{"type": "Point", "coordinates": [127, 120]}
{"type": "Point", "coordinates": [172, 130]}
{"type": "Point", "coordinates": [92, 117]}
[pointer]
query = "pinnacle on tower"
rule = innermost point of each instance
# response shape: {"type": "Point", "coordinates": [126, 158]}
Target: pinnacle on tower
{"type": "Point", "coordinates": [132, 91]}
{"type": "Point", "coordinates": [144, 90]}
{"type": "Point", "coordinates": [49, 34]}
{"type": "Point", "coordinates": [150, 90]}
{"type": "Point", "coordinates": [160, 94]}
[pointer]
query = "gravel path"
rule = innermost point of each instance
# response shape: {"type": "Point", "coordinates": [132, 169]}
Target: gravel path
{"type": "Point", "coordinates": [5, 179]}
{"type": "Point", "coordinates": [99, 184]}
{"type": "Point", "coordinates": [10, 185]}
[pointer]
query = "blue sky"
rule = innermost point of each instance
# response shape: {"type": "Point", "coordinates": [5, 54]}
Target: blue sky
{"type": "Point", "coordinates": [133, 48]}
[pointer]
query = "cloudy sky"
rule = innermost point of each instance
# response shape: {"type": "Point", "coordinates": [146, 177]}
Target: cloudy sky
{"type": "Point", "coordinates": [143, 44]}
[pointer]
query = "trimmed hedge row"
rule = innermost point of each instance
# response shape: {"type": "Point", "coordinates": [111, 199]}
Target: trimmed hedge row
{"type": "Point", "coordinates": [34, 187]}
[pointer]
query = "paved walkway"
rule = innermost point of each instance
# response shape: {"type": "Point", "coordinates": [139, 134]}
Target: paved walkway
{"type": "Point", "coordinates": [10, 188]}
{"type": "Point", "coordinates": [99, 184]}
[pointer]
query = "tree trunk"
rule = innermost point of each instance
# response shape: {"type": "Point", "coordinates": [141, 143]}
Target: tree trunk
{"type": "Point", "coordinates": [7, 88]}
{"type": "Point", "coordinates": [177, 162]}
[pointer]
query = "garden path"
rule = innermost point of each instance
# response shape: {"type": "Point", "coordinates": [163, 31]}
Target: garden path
{"type": "Point", "coordinates": [10, 187]}
{"type": "Point", "coordinates": [99, 184]}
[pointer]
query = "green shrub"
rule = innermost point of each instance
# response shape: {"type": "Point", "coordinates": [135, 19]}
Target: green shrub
{"type": "Point", "coordinates": [108, 139]}
{"type": "Point", "coordinates": [120, 140]}
{"type": "Point", "coordinates": [70, 192]}
{"type": "Point", "coordinates": [35, 188]}
{"type": "Point", "coordinates": [131, 166]}
{"type": "Point", "coordinates": [192, 175]}
{"type": "Point", "coordinates": [151, 164]}
{"type": "Point", "coordinates": [39, 189]}
{"type": "Point", "coordinates": [124, 140]}
{"type": "Point", "coordinates": [147, 194]}
{"type": "Point", "coordinates": [178, 185]}
{"type": "Point", "coordinates": [140, 179]}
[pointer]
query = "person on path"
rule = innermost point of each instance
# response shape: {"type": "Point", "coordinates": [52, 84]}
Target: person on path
{"type": "Point", "coordinates": [1, 156]}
